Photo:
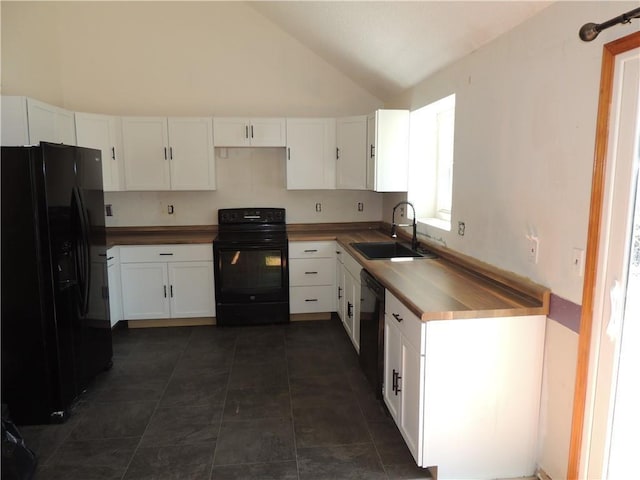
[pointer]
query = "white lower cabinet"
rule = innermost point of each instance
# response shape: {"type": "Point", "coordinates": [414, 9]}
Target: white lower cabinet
{"type": "Point", "coordinates": [340, 281]}
{"type": "Point", "coordinates": [465, 394]}
{"type": "Point", "coordinates": [115, 285]}
{"type": "Point", "coordinates": [312, 276]}
{"type": "Point", "coordinates": [167, 281]}
{"type": "Point", "coordinates": [352, 284]}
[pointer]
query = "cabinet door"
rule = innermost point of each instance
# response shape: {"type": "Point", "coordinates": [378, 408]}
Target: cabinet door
{"type": "Point", "coordinates": [388, 140]}
{"type": "Point", "coordinates": [371, 152]}
{"type": "Point", "coordinates": [191, 289]}
{"type": "Point", "coordinates": [104, 133]}
{"type": "Point", "coordinates": [231, 132]}
{"type": "Point", "coordinates": [115, 289]}
{"type": "Point", "coordinates": [146, 153]}
{"type": "Point", "coordinates": [392, 351]}
{"type": "Point", "coordinates": [191, 156]}
{"type": "Point", "coordinates": [145, 290]}
{"type": "Point", "coordinates": [352, 297]}
{"type": "Point", "coordinates": [351, 164]}
{"type": "Point", "coordinates": [340, 291]}
{"type": "Point", "coordinates": [411, 387]}
{"type": "Point", "coordinates": [48, 123]}
{"type": "Point", "coordinates": [268, 132]}
{"type": "Point", "coordinates": [15, 127]}
{"type": "Point", "coordinates": [311, 148]}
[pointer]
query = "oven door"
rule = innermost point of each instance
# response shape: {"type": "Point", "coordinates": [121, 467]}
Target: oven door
{"type": "Point", "coordinates": [248, 273]}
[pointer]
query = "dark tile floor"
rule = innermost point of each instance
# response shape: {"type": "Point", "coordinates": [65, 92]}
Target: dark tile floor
{"type": "Point", "coordinates": [275, 402]}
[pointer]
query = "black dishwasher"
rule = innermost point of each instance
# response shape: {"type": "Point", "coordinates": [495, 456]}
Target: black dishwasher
{"type": "Point", "coordinates": [372, 330]}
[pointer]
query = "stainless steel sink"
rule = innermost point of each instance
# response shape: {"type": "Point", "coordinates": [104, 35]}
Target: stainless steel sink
{"type": "Point", "coordinates": [389, 250]}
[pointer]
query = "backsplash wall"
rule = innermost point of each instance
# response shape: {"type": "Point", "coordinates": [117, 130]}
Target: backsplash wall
{"type": "Point", "coordinates": [246, 177]}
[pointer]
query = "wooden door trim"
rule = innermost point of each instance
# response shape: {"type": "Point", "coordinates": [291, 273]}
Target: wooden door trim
{"type": "Point", "coordinates": [610, 51]}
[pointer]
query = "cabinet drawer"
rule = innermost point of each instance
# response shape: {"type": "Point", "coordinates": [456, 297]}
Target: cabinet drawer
{"type": "Point", "coordinates": [166, 253]}
{"type": "Point", "coordinates": [311, 299]}
{"type": "Point", "coordinates": [312, 271]}
{"type": "Point", "coordinates": [408, 323]}
{"type": "Point", "coordinates": [312, 249]}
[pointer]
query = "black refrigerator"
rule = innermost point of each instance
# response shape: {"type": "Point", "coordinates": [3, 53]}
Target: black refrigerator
{"type": "Point", "coordinates": [56, 332]}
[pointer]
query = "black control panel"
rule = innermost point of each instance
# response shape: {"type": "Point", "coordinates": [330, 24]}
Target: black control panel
{"type": "Point", "coordinates": [236, 216]}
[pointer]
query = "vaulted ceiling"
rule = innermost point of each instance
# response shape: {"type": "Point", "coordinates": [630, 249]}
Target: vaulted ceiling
{"type": "Point", "coordinates": [389, 46]}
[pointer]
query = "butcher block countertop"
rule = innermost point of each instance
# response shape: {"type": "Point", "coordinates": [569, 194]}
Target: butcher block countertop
{"type": "Point", "coordinates": [452, 286]}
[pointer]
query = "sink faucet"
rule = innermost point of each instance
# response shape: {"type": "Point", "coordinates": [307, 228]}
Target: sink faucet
{"type": "Point", "coordinates": [394, 225]}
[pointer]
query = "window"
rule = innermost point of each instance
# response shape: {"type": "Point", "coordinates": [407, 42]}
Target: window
{"type": "Point", "coordinates": [431, 162]}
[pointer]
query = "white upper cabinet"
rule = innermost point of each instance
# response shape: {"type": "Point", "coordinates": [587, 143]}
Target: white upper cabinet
{"type": "Point", "coordinates": [146, 153]}
{"type": "Point", "coordinates": [191, 155]}
{"type": "Point", "coordinates": [388, 151]}
{"type": "Point", "coordinates": [48, 123]}
{"type": "Point", "coordinates": [351, 161]}
{"type": "Point", "coordinates": [311, 153]}
{"type": "Point", "coordinates": [103, 132]}
{"type": "Point", "coordinates": [14, 127]}
{"type": "Point", "coordinates": [168, 154]}
{"type": "Point", "coordinates": [249, 132]}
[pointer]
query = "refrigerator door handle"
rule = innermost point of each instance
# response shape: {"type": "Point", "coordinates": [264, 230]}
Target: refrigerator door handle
{"type": "Point", "coordinates": [84, 260]}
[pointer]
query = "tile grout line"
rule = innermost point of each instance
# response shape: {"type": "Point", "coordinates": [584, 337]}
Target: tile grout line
{"type": "Point", "coordinates": [135, 451]}
{"type": "Point", "coordinates": [293, 420]}
{"type": "Point", "coordinates": [224, 404]}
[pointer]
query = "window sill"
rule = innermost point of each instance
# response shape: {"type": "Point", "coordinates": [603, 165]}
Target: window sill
{"type": "Point", "coordinates": [436, 222]}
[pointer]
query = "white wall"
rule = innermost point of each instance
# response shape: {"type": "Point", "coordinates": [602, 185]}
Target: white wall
{"type": "Point", "coordinates": [526, 108]}
{"type": "Point", "coordinates": [184, 58]}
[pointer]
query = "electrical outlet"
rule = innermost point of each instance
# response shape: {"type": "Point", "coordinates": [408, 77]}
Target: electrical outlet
{"type": "Point", "coordinates": [402, 211]}
{"type": "Point", "coordinates": [170, 209]}
{"type": "Point", "coordinates": [360, 206]}
{"type": "Point", "coordinates": [318, 207]}
{"type": "Point", "coordinates": [461, 228]}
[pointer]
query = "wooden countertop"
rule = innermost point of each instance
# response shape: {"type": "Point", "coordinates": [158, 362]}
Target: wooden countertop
{"type": "Point", "coordinates": [452, 286]}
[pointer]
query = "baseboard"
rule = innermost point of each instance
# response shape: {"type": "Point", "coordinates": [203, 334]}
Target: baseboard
{"type": "Point", "coordinates": [172, 322]}
{"type": "Point", "coordinates": [303, 317]}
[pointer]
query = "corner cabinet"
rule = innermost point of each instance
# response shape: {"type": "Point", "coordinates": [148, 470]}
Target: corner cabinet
{"type": "Point", "coordinates": [26, 121]}
{"type": "Point", "coordinates": [103, 132]}
{"type": "Point", "coordinates": [48, 123]}
{"type": "Point", "coordinates": [311, 154]}
{"type": "Point", "coordinates": [465, 389]}
{"type": "Point", "coordinates": [388, 151]}
{"type": "Point", "coordinates": [249, 132]}
{"type": "Point", "coordinates": [167, 281]}
{"type": "Point", "coordinates": [168, 154]}
{"type": "Point", "coordinates": [312, 274]}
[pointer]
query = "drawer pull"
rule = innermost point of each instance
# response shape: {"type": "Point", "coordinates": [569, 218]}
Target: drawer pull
{"type": "Point", "coordinates": [310, 273]}
{"type": "Point", "coordinates": [165, 291]}
{"type": "Point", "coordinates": [166, 254]}
{"type": "Point", "coordinates": [311, 250]}
{"type": "Point", "coordinates": [349, 309]}
{"type": "Point", "coordinates": [310, 299]}
{"type": "Point", "coordinates": [109, 258]}
{"type": "Point", "coordinates": [397, 317]}
{"type": "Point", "coordinates": [339, 293]}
